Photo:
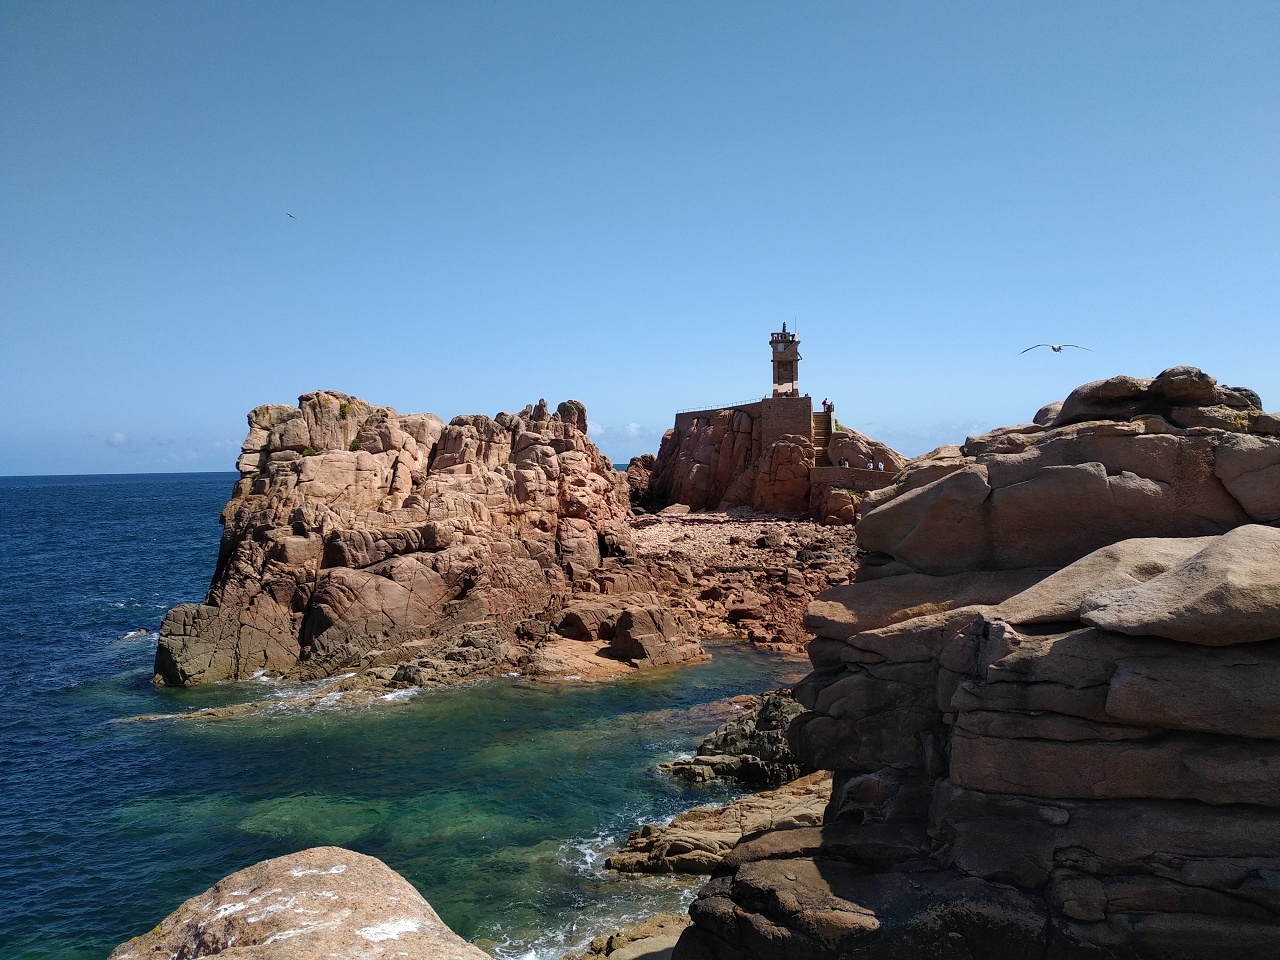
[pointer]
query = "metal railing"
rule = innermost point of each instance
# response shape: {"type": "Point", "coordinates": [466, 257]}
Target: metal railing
{"type": "Point", "coordinates": [723, 406]}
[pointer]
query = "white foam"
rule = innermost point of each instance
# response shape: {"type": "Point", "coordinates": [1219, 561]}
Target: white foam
{"type": "Point", "coordinates": [397, 695]}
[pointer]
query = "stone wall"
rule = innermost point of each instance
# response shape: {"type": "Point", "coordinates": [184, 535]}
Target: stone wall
{"type": "Point", "coordinates": [786, 416]}
{"type": "Point", "coordinates": [688, 419]}
{"type": "Point", "coordinates": [852, 478]}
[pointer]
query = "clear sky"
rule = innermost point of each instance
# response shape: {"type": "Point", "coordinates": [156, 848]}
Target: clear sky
{"type": "Point", "coordinates": [617, 202]}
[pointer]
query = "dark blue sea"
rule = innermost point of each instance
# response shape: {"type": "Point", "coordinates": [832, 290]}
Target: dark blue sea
{"type": "Point", "coordinates": [497, 800]}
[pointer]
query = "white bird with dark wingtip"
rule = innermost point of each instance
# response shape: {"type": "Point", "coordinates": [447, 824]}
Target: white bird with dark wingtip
{"type": "Point", "coordinates": [1056, 347]}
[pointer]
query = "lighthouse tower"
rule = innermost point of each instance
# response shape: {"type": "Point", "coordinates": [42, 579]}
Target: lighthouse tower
{"type": "Point", "coordinates": [786, 363]}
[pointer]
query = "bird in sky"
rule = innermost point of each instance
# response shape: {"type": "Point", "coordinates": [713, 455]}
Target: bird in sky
{"type": "Point", "coordinates": [1056, 347]}
{"type": "Point", "coordinates": [290, 215]}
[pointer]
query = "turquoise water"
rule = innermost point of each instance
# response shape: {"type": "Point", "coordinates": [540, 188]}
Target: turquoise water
{"type": "Point", "coordinates": [497, 800]}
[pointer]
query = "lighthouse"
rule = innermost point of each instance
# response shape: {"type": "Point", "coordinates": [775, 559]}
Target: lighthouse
{"type": "Point", "coordinates": [786, 363]}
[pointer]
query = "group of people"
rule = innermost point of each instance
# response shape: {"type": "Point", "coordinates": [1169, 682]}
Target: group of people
{"type": "Point", "coordinates": [829, 407]}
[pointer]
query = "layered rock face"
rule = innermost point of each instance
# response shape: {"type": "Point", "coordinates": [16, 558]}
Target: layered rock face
{"type": "Point", "coordinates": [357, 537]}
{"type": "Point", "coordinates": [321, 902]}
{"type": "Point", "coordinates": [1050, 737]}
{"type": "Point", "coordinates": [1176, 455]}
{"type": "Point", "coordinates": [698, 839]}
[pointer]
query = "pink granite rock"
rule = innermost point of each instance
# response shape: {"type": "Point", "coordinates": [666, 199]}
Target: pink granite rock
{"type": "Point", "coordinates": [358, 538]}
{"type": "Point", "coordinates": [322, 902]}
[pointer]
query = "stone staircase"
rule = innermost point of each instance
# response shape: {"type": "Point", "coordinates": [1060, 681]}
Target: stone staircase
{"type": "Point", "coordinates": [821, 437]}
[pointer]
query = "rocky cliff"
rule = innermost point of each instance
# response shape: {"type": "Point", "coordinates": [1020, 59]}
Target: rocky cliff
{"type": "Point", "coordinates": [1049, 702]}
{"type": "Point", "coordinates": [724, 459]}
{"type": "Point", "coordinates": [357, 537]}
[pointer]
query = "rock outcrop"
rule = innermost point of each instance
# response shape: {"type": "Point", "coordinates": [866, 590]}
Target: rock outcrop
{"type": "Point", "coordinates": [753, 457]}
{"type": "Point", "coordinates": [751, 748]}
{"type": "Point", "coordinates": [322, 902]}
{"type": "Point", "coordinates": [697, 840]}
{"type": "Point", "coordinates": [651, 939]}
{"type": "Point", "coordinates": [1172, 456]}
{"type": "Point", "coordinates": [1050, 737]}
{"type": "Point", "coordinates": [697, 465]}
{"type": "Point", "coordinates": [360, 538]}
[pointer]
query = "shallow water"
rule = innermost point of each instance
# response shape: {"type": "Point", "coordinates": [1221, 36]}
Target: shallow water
{"type": "Point", "coordinates": [496, 800]}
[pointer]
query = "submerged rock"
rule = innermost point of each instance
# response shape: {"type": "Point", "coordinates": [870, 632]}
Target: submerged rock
{"type": "Point", "coordinates": [321, 902]}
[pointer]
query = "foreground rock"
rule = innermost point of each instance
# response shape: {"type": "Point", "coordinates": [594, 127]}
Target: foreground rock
{"type": "Point", "coordinates": [322, 902]}
{"type": "Point", "coordinates": [696, 841]}
{"type": "Point", "coordinates": [1082, 766]}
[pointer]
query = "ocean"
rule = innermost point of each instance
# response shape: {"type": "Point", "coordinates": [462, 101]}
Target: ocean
{"type": "Point", "coordinates": [498, 800]}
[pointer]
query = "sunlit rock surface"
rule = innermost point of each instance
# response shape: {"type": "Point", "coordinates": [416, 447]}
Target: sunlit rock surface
{"type": "Point", "coordinates": [322, 902]}
{"type": "Point", "coordinates": [1049, 704]}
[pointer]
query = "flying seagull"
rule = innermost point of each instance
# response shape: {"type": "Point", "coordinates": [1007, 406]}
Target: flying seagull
{"type": "Point", "coordinates": [287, 214]}
{"type": "Point", "coordinates": [1056, 347]}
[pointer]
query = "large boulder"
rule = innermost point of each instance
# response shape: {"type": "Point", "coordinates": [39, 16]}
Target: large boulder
{"type": "Point", "coordinates": [321, 902]}
{"type": "Point", "coordinates": [651, 636]}
{"type": "Point", "coordinates": [859, 449]}
{"type": "Point", "coordinates": [1225, 593]}
{"type": "Point", "coordinates": [697, 840]}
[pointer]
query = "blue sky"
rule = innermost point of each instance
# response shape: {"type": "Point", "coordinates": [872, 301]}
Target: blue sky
{"type": "Point", "coordinates": [615, 202]}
